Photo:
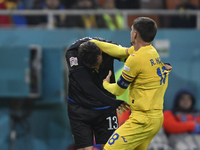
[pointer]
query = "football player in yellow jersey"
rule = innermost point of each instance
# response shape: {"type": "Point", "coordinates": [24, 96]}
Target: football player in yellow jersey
{"type": "Point", "coordinates": [148, 80]}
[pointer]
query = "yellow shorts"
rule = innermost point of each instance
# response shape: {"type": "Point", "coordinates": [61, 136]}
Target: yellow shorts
{"type": "Point", "coordinates": [136, 133]}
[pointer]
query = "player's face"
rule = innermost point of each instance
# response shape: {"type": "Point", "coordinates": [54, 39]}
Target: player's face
{"type": "Point", "coordinates": [185, 101]}
{"type": "Point", "coordinates": [133, 35]}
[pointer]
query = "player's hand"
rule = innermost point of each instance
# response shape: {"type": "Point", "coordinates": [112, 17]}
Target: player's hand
{"type": "Point", "coordinates": [108, 76]}
{"type": "Point", "coordinates": [123, 107]}
{"type": "Point", "coordinates": [168, 67]}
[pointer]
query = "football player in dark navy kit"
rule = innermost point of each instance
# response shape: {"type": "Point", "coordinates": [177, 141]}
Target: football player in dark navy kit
{"type": "Point", "coordinates": [91, 109]}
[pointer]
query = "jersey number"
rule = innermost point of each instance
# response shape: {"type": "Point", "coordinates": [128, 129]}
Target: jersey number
{"type": "Point", "coordinates": [111, 124]}
{"type": "Point", "coordinates": [161, 75]}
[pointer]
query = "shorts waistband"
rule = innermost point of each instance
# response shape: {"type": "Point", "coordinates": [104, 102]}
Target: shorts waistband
{"type": "Point", "coordinates": [150, 113]}
{"type": "Point", "coordinates": [94, 108]}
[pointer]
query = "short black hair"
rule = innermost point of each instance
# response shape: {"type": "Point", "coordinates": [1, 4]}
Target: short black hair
{"type": "Point", "coordinates": [146, 28]}
{"type": "Point", "coordinates": [88, 53]}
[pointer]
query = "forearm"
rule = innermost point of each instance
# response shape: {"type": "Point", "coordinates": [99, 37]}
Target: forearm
{"type": "Point", "coordinates": [112, 49]}
{"type": "Point", "coordinates": [117, 88]}
{"type": "Point", "coordinates": [113, 88]}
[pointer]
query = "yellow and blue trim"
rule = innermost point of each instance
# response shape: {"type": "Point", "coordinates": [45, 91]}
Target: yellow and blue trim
{"type": "Point", "coordinates": [127, 77]}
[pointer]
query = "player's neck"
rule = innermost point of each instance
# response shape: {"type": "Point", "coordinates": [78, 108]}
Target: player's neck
{"type": "Point", "coordinates": [140, 44]}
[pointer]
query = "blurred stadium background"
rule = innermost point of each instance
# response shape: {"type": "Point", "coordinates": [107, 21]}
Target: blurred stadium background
{"type": "Point", "coordinates": [33, 73]}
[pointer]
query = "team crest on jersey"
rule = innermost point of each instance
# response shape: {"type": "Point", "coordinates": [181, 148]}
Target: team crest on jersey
{"type": "Point", "coordinates": [73, 61]}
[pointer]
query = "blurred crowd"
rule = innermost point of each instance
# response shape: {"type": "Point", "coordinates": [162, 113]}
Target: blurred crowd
{"type": "Point", "coordinates": [111, 22]}
{"type": "Point", "coordinates": [182, 122]}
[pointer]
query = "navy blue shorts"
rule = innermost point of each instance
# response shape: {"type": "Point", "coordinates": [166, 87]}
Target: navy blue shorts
{"type": "Point", "coordinates": [88, 123]}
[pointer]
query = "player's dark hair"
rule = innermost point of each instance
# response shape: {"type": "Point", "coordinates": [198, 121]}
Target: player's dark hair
{"type": "Point", "coordinates": [88, 53]}
{"type": "Point", "coordinates": [146, 28]}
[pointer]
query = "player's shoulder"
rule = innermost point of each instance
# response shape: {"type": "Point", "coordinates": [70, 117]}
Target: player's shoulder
{"type": "Point", "coordinates": [143, 55]}
{"type": "Point", "coordinates": [72, 60]}
{"type": "Point", "coordinates": [130, 50]}
{"type": "Point", "coordinates": [133, 59]}
{"type": "Point", "coordinates": [77, 43]}
{"type": "Point", "coordinates": [73, 52]}
{"type": "Point", "coordinates": [74, 64]}
{"type": "Point", "coordinates": [134, 56]}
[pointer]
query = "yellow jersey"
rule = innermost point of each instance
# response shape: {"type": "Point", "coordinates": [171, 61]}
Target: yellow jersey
{"type": "Point", "coordinates": [147, 77]}
{"type": "Point", "coordinates": [143, 71]}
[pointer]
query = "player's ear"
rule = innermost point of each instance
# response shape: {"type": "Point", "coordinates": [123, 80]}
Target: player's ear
{"type": "Point", "coordinates": [135, 34]}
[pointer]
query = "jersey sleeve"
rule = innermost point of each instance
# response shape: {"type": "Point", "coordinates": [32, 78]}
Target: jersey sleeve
{"type": "Point", "coordinates": [130, 50]}
{"type": "Point", "coordinates": [113, 88]}
{"type": "Point", "coordinates": [73, 62]}
{"type": "Point", "coordinates": [131, 69]}
{"type": "Point", "coordinates": [112, 49]}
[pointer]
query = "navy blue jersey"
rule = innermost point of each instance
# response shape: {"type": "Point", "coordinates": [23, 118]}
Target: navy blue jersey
{"type": "Point", "coordinates": [85, 84]}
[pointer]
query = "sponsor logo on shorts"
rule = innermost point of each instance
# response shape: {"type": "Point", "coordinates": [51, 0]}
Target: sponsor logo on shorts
{"type": "Point", "coordinates": [73, 61]}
